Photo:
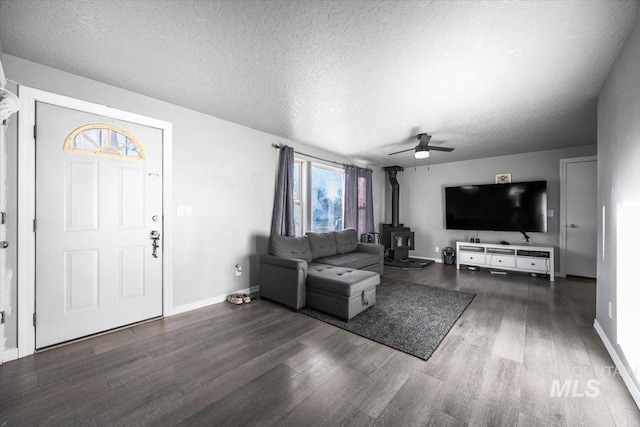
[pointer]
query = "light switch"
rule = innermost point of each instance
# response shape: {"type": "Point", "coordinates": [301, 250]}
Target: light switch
{"type": "Point", "coordinates": [184, 211]}
{"type": "Point", "coordinates": [550, 213]}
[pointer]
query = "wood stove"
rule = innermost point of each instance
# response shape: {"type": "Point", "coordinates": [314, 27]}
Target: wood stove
{"type": "Point", "coordinates": [397, 239]}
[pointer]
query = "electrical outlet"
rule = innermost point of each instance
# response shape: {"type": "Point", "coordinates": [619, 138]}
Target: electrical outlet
{"type": "Point", "coordinates": [437, 249]}
{"type": "Point", "coordinates": [238, 270]}
{"type": "Point", "coordinates": [610, 310]}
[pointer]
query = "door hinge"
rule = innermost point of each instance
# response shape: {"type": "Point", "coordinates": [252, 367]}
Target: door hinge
{"type": "Point", "coordinates": [35, 132]}
{"type": "Point", "coordinates": [3, 217]}
{"type": "Point", "coordinates": [1, 317]}
{"type": "Point", "coordinates": [35, 225]}
{"type": "Point", "coordinates": [34, 320]}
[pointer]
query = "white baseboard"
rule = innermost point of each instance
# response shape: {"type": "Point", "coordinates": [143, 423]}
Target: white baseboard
{"type": "Point", "coordinates": [209, 301]}
{"type": "Point", "coordinates": [9, 354]}
{"type": "Point", "coordinates": [624, 373]}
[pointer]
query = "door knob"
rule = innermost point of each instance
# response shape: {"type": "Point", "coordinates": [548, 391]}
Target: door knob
{"type": "Point", "coordinates": [154, 236]}
{"type": "Point", "coordinates": [4, 245]}
{"type": "Point", "coordinates": [572, 226]}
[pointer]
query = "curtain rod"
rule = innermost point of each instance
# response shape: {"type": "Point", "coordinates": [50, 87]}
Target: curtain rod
{"type": "Point", "coordinates": [279, 147]}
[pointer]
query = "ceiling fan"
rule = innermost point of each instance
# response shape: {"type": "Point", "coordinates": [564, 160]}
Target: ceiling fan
{"type": "Point", "coordinates": [423, 148]}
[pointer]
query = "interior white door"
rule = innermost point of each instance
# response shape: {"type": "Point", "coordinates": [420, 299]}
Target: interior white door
{"type": "Point", "coordinates": [97, 202]}
{"type": "Point", "coordinates": [581, 218]}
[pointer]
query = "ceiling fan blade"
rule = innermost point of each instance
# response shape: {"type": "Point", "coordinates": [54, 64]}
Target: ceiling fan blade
{"type": "Point", "coordinates": [403, 151]}
{"type": "Point", "coordinates": [436, 148]}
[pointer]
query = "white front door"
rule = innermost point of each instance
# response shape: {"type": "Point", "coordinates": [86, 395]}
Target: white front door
{"type": "Point", "coordinates": [3, 230]}
{"type": "Point", "coordinates": [581, 218]}
{"type": "Point", "coordinates": [98, 198]}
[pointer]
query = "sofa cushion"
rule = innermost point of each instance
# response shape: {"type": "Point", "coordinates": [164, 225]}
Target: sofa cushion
{"type": "Point", "coordinates": [322, 244]}
{"type": "Point", "coordinates": [346, 240]}
{"type": "Point", "coordinates": [290, 247]}
{"type": "Point", "coordinates": [339, 280]}
{"type": "Point", "coordinates": [351, 260]}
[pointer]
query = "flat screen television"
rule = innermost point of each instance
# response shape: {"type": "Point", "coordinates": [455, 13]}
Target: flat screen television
{"type": "Point", "coordinates": [518, 206]}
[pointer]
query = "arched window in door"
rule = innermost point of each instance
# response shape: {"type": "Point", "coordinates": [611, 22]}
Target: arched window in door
{"type": "Point", "coordinates": [104, 139]}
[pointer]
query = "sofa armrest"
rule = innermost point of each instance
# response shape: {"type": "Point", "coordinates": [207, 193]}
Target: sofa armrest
{"type": "Point", "coordinates": [283, 280]}
{"type": "Point", "coordinates": [373, 248]}
{"type": "Point", "coordinates": [292, 263]}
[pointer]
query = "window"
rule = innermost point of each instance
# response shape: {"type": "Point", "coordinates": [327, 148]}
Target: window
{"type": "Point", "coordinates": [318, 196]}
{"type": "Point", "coordinates": [104, 139]}
{"type": "Point", "coordinates": [363, 208]}
{"type": "Point", "coordinates": [326, 198]}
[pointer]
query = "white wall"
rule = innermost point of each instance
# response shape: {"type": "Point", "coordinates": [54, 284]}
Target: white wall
{"type": "Point", "coordinates": [3, 80]}
{"type": "Point", "coordinates": [225, 171]}
{"type": "Point", "coordinates": [619, 192]}
{"type": "Point", "coordinates": [422, 196]}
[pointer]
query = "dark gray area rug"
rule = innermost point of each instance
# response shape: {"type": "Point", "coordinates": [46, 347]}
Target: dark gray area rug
{"type": "Point", "coordinates": [409, 317]}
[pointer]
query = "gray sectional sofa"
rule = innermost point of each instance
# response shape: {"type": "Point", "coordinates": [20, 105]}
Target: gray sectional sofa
{"type": "Point", "coordinates": [330, 272]}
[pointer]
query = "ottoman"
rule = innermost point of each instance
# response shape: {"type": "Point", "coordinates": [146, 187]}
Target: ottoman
{"type": "Point", "coordinates": [342, 292]}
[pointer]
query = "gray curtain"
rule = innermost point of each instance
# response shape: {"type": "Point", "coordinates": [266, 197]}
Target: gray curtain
{"type": "Point", "coordinates": [351, 197]}
{"type": "Point", "coordinates": [282, 222]}
{"type": "Point", "coordinates": [358, 199]}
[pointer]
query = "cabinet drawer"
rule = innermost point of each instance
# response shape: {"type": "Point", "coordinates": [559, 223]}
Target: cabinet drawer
{"type": "Point", "coordinates": [537, 264]}
{"type": "Point", "coordinates": [471, 258]}
{"type": "Point", "coordinates": [502, 261]}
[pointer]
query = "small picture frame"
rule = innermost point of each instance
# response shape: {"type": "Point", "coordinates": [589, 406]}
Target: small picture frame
{"type": "Point", "coordinates": [503, 178]}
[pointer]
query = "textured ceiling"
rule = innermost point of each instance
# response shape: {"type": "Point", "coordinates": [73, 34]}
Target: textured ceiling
{"type": "Point", "coordinates": [358, 78]}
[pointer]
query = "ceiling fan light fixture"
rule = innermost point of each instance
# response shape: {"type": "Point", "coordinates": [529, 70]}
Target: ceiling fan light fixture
{"type": "Point", "coordinates": [422, 153]}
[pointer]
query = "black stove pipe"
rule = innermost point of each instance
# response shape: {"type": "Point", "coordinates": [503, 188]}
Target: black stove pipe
{"type": "Point", "coordinates": [395, 199]}
{"type": "Point", "coordinates": [395, 194]}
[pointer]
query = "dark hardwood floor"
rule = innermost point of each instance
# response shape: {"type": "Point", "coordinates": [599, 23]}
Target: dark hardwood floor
{"type": "Point", "coordinates": [261, 364]}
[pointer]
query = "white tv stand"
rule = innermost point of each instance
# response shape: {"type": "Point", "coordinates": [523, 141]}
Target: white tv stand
{"type": "Point", "coordinates": [528, 259]}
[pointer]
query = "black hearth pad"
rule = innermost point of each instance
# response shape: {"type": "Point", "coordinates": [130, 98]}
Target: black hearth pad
{"type": "Point", "coordinates": [408, 262]}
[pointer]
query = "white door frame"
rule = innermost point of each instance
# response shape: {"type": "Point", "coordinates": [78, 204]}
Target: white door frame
{"type": "Point", "coordinates": [27, 202]}
{"type": "Point", "coordinates": [563, 207]}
